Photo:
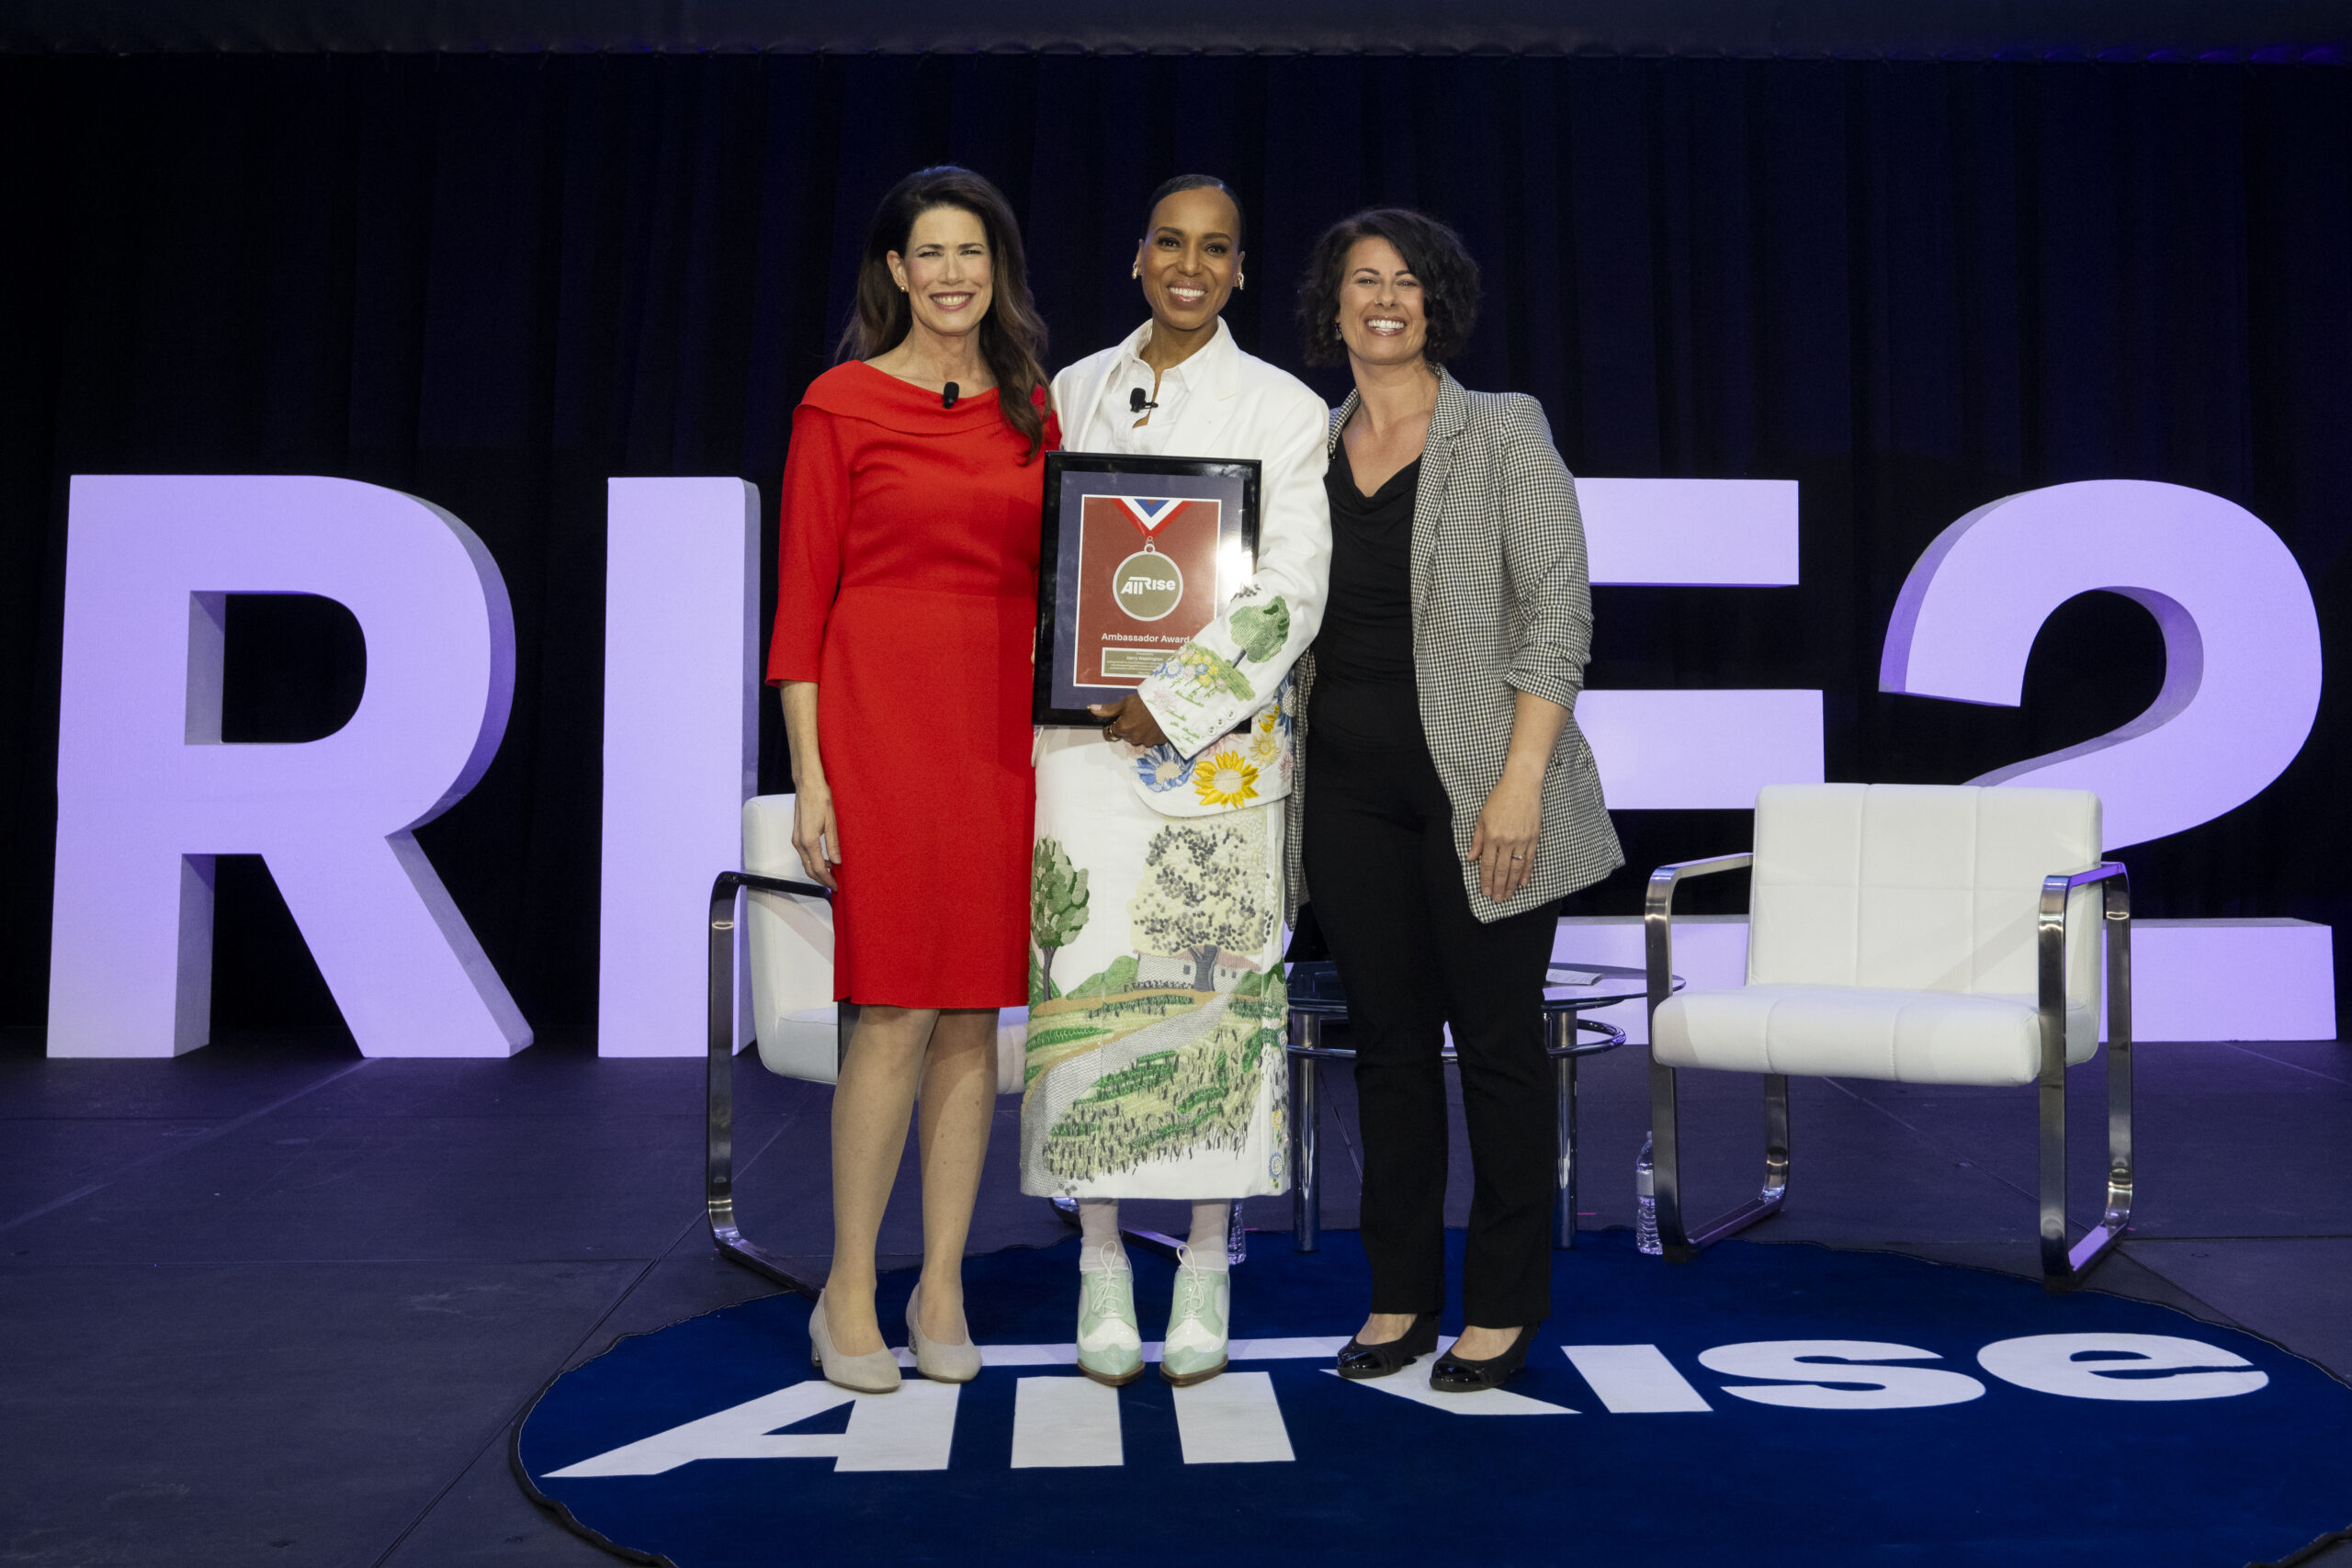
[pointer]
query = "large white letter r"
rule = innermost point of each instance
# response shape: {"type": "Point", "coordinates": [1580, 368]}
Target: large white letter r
{"type": "Point", "coordinates": [147, 794]}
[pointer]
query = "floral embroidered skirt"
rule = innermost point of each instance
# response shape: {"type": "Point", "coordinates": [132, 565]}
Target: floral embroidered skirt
{"type": "Point", "coordinates": [1157, 1008]}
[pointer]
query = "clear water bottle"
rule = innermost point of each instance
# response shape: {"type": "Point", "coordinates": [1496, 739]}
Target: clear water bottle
{"type": "Point", "coordinates": [1237, 1239]}
{"type": "Point", "coordinates": [1645, 1204]}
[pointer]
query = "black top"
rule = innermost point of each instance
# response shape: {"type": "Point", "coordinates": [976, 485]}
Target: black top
{"type": "Point", "coordinates": [1364, 691]}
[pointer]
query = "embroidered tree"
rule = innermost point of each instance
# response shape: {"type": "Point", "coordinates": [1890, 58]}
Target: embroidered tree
{"type": "Point", "coordinates": [1261, 629]}
{"type": "Point", "coordinates": [1057, 900]}
{"type": "Point", "coordinates": [1205, 892]}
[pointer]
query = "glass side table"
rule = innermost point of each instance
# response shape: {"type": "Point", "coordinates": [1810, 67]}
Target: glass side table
{"type": "Point", "coordinates": [1316, 997]}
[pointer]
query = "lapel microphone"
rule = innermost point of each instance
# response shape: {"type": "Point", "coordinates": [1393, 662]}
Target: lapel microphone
{"type": "Point", "coordinates": [947, 396]}
{"type": "Point", "coordinates": [1138, 403]}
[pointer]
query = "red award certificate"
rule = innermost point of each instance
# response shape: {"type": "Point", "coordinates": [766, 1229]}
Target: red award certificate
{"type": "Point", "coordinates": [1147, 581]}
{"type": "Point", "coordinates": [1140, 554]}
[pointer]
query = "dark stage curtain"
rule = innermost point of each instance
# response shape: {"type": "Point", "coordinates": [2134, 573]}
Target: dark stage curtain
{"type": "Point", "coordinates": [2269, 31]}
{"type": "Point", "coordinates": [493, 281]}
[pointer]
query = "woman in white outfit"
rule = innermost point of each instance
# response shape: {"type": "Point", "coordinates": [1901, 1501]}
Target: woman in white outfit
{"type": "Point", "coordinates": [1156, 1003]}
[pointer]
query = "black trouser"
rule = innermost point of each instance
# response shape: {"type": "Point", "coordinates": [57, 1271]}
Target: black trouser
{"type": "Point", "coordinates": [1386, 882]}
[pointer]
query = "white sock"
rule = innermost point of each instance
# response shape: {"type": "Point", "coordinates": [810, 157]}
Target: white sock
{"type": "Point", "coordinates": [1099, 1249]}
{"type": "Point", "coordinates": [1205, 1248]}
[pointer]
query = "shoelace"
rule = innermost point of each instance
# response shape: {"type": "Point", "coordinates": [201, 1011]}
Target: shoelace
{"type": "Point", "coordinates": [1101, 1292]}
{"type": "Point", "coordinates": [1196, 1285]}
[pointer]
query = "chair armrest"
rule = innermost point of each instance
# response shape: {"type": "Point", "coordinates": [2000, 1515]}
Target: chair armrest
{"type": "Point", "coordinates": [722, 912]}
{"type": "Point", "coordinates": [720, 934]}
{"type": "Point", "coordinates": [1658, 916]}
{"type": "Point", "coordinates": [2058, 884]}
{"type": "Point", "coordinates": [730, 880]}
{"type": "Point", "coordinates": [1662, 880]}
{"type": "Point", "coordinates": [2050, 929]}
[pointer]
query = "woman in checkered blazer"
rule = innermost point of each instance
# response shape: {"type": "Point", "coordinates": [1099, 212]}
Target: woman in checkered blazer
{"type": "Point", "coordinates": [1446, 799]}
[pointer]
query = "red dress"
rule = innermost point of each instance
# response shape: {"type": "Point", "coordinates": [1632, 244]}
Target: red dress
{"type": "Point", "coordinates": [906, 589]}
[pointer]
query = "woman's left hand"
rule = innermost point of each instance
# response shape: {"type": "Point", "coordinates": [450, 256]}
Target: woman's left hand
{"type": "Point", "coordinates": [1129, 719]}
{"type": "Point", "coordinates": [1503, 841]}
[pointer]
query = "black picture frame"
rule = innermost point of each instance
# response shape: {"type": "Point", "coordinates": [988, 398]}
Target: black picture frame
{"type": "Point", "coordinates": [1070, 478]}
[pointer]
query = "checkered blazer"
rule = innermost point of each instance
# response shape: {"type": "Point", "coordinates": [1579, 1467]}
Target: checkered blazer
{"type": "Point", "coordinates": [1500, 606]}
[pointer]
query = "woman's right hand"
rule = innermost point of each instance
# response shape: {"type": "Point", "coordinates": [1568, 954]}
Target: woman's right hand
{"type": "Point", "coordinates": [815, 834]}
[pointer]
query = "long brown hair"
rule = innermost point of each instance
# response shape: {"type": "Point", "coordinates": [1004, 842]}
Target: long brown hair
{"type": "Point", "coordinates": [1012, 336]}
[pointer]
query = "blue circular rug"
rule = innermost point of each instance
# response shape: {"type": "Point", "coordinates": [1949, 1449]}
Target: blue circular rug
{"type": "Point", "coordinates": [1766, 1405]}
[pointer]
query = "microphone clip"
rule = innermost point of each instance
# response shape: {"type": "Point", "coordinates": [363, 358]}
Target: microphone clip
{"type": "Point", "coordinates": [947, 396]}
{"type": "Point", "coordinates": [1138, 403]}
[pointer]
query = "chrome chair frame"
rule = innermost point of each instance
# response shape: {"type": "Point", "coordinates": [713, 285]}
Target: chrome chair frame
{"type": "Point", "coordinates": [1666, 1160]}
{"type": "Point", "coordinates": [718, 1148]}
{"type": "Point", "coordinates": [2061, 1268]}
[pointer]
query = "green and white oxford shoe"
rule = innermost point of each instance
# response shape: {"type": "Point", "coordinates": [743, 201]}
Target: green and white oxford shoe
{"type": "Point", "coordinates": [1110, 1345]}
{"type": "Point", "coordinates": [1195, 1349]}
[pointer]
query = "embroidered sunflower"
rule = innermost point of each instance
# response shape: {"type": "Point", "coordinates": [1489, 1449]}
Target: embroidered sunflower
{"type": "Point", "coordinates": [1263, 748]}
{"type": "Point", "coordinates": [1224, 780]}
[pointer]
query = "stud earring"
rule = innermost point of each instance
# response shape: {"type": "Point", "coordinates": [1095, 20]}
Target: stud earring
{"type": "Point", "coordinates": [1136, 271]}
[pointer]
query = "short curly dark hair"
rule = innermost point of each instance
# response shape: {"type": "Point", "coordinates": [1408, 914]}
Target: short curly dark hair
{"type": "Point", "coordinates": [1432, 252]}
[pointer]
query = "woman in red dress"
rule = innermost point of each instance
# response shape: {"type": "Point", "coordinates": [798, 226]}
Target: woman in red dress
{"type": "Point", "coordinates": [907, 598]}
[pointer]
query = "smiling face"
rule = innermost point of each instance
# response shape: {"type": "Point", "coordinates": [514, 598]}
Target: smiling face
{"type": "Point", "coordinates": [945, 270]}
{"type": "Point", "coordinates": [1382, 316]}
{"type": "Point", "coordinates": [1189, 257]}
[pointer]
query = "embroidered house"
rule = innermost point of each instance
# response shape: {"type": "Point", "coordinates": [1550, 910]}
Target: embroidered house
{"type": "Point", "coordinates": [1165, 972]}
{"type": "Point", "coordinates": [1181, 971]}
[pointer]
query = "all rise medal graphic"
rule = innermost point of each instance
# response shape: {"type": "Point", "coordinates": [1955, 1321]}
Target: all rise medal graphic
{"type": "Point", "coordinates": [1147, 581]}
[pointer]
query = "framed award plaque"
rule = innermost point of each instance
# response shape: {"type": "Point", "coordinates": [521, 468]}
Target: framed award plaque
{"type": "Point", "coordinates": [1139, 553]}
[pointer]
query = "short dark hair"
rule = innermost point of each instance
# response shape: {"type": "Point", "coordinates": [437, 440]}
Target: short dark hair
{"type": "Point", "coordinates": [1432, 252]}
{"type": "Point", "coordinates": [1012, 336]}
{"type": "Point", "coordinates": [1195, 182]}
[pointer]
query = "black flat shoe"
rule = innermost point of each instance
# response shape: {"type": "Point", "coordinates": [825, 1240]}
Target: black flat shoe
{"type": "Point", "coordinates": [1360, 1360]}
{"type": "Point", "coordinates": [1457, 1374]}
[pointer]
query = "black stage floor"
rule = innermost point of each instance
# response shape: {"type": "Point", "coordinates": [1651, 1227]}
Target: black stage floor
{"type": "Point", "coordinates": [272, 1303]}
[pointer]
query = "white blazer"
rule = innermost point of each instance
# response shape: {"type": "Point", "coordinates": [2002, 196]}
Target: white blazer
{"type": "Point", "coordinates": [1224, 687]}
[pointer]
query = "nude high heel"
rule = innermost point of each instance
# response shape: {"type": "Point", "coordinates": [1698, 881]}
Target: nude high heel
{"type": "Point", "coordinates": [875, 1372]}
{"type": "Point", "coordinates": [941, 1364]}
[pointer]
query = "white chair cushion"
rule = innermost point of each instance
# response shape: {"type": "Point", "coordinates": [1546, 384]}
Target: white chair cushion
{"type": "Point", "coordinates": [803, 1045]}
{"type": "Point", "coordinates": [1941, 1037]}
{"type": "Point", "coordinates": [1920, 886]}
{"type": "Point", "coordinates": [791, 943]}
{"type": "Point", "coordinates": [806, 1046]}
{"type": "Point", "coordinates": [791, 949]}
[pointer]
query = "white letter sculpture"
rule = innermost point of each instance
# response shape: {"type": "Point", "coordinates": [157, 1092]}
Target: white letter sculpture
{"type": "Point", "coordinates": [2242, 652]}
{"type": "Point", "coordinates": [1685, 749]}
{"type": "Point", "coordinates": [682, 606]}
{"type": "Point", "coordinates": [148, 793]}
